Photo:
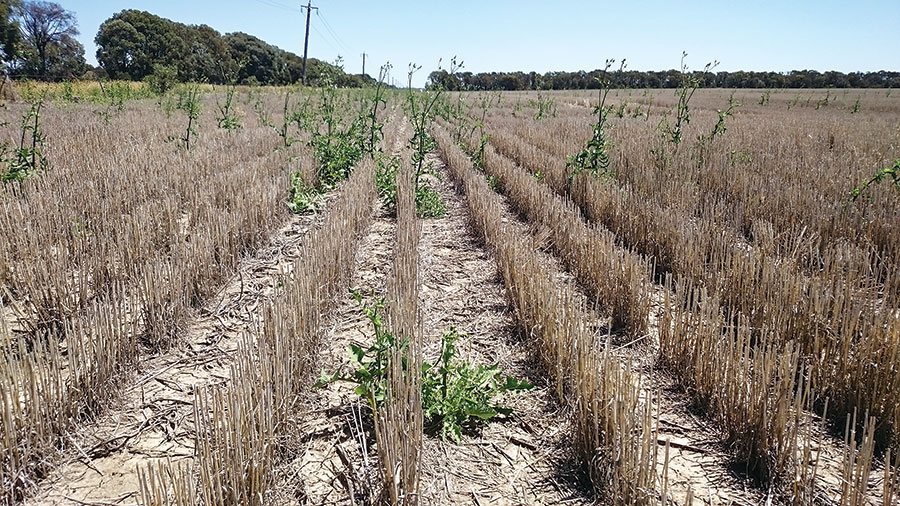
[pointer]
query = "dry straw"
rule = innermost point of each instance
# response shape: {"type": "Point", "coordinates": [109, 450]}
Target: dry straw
{"type": "Point", "coordinates": [846, 332]}
{"type": "Point", "coordinates": [399, 421]}
{"type": "Point", "coordinates": [94, 280]}
{"type": "Point", "coordinates": [615, 434]}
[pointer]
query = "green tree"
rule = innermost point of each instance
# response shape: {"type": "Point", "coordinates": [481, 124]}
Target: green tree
{"type": "Point", "coordinates": [264, 63]}
{"type": "Point", "coordinates": [10, 38]}
{"type": "Point", "coordinates": [207, 57]}
{"type": "Point", "coordinates": [132, 41]}
{"type": "Point", "coordinates": [49, 49]}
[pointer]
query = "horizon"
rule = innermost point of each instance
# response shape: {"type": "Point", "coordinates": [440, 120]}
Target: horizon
{"type": "Point", "coordinates": [822, 36]}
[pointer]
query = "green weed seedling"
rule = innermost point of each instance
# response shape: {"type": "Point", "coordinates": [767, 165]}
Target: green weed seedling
{"type": "Point", "coordinates": [493, 182]}
{"type": "Point", "coordinates": [303, 198]}
{"type": "Point", "coordinates": [422, 106]}
{"type": "Point", "coordinates": [544, 106]}
{"type": "Point", "coordinates": [68, 95]}
{"type": "Point", "coordinates": [620, 111]}
{"type": "Point", "coordinates": [429, 203]}
{"type": "Point", "coordinates": [824, 101]}
{"type": "Point", "coordinates": [256, 102]}
{"type": "Point", "coordinates": [369, 111]}
{"type": "Point", "coordinates": [114, 96]}
{"type": "Point", "coordinates": [227, 117]}
{"type": "Point", "coordinates": [287, 120]}
{"type": "Point", "coordinates": [720, 128]}
{"type": "Point", "coordinates": [684, 92]}
{"type": "Point", "coordinates": [486, 101]}
{"type": "Point", "coordinates": [370, 364]}
{"type": "Point", "coordinates": [386, 181]}
{"type": "Point", "coordinates": [705, 141]}
{"type": "Point", "coordinates": [736, 157]}
{"type": "Point", "coordinates": [459, 114]}
{"type": "Point", "coordinates": [162, 80]}
{"type": "Point", "coordinates": [455, 394]}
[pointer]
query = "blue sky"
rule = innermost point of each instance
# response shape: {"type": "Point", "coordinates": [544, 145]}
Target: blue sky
{"type": "Point", "coordinates": [542, 36]}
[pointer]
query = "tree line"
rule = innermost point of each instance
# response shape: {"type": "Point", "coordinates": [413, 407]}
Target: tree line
{"type": "Point", "coordinates": [581, 80]}
{"type": "Point", "coordinates": [37, 41]}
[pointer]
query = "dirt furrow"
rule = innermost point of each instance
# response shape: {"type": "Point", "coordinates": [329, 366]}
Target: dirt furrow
{"type": "Point", "coordinates": [522, 460]}
{"type": "Point", "coordinates": [335, 424]}
{"type": "Point", "coordinates": [153, 417]}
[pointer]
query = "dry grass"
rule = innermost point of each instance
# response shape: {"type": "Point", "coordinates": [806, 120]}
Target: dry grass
{"type": "Point", "coordinates": [803, 318]}
{"type": "Point", "coordinates": [399, 422]}
{"type": "Point", "coordinates": [243, 429]}
{"type": "Point", "coordinates": [98, 276]}
{"type": "Point", "coordinates": [841, 312]}
{"type": "Point", "coordinates": [775, 297]}
{"type": "Point", "coordinates": [614, 435]}
{"type": "Point", "coordinates": [746, 382]}
{"type": "Point", "coordinates": [617, 278]}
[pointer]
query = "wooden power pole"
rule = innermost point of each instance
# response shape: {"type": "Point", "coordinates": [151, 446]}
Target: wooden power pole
{"type": "Point", "coordinates": [309, 8]}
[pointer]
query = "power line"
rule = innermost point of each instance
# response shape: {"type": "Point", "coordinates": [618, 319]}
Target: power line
{"type": "Point", "coordinates": [325, 39]}
{"type": "Point", "coordinates": [282, 5]}
{"type": "Point", "coordinates": [276, 5]}
{"type": "Point", "coordinates": [334, 34]}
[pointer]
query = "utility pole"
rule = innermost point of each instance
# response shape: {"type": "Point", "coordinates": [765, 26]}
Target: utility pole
{"type": "Point", "coordinates": [309, 8]}
{"type": "Point", "coordinates": [364, 63]}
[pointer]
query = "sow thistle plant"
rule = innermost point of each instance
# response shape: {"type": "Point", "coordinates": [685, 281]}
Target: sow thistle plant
{"type": "Point", "coordinates": [113, 95]}
{"type": "Point", "coordinates": [720, 128]}
{"type": "Point", "coordinates": [673, 132]}
{"type": "Point", "coordinates": [486, 102]}
{"type": "Point", "coordinates": [705, 141]}
{"type": "Point", "coordinates": [337, 148]}
{"type": "Point", "coordinates": [459, 115]}
{"type": "Point", "coordinates": [594, 158]}
{"type": "Point", "coordinates": [456, 394]}
{"type": "Point", "coordinates": [28, 157]}
{"type": "Point", "coordinates": [891, 173]}
{"type": "Point", "coordinates": [685, 91]}
{"type": "Point", "coordinates": [545, 107]}
{"type": "Point", "coordinates": [227, 117]}
{"type": "Point", "coordinates": [369, 110]}
{"type": "Point", "coordinates": [386, 181]}
{"type": "Point", "coordinates": [188, 101]}
{"type": "Point", "coordinates": [421, 108]}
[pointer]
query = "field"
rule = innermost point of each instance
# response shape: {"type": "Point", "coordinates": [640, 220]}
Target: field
{"type": "Point", "coordinates": [232, 295]}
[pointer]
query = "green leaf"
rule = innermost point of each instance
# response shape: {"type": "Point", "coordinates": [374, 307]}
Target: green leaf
{"type": "Point", "coordinates": [515, 385]}
{"type": "Point", "coordinates": [356, 353]}
{"type": "Point", "coordinates": [325, 380]}
{"type": "Point", "coordinates": [503, 410]}
{"type": "Point", "coordinates": [484, 413]}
